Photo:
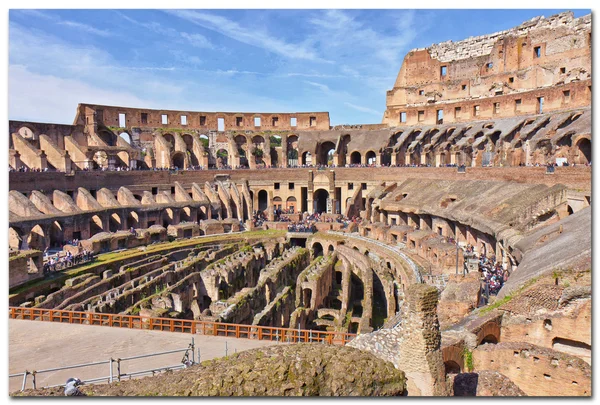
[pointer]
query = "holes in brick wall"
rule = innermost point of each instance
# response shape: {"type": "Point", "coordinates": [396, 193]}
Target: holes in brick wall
{"type": "Point", "coordinates": [203, 120]}
{"type": "Point", "coordinates": [144, 118]}
{"type": "Point", "coordinates": [239, 121]}
{"type": "Point", "coordinates": [403, 117]}
{"type": "Point", "coordinates": [475, 111]}
{"type": "Point", "coordinates": [184, 120]}
{"type": "Point", "coordinates": [511, 79]}
{"type": "Point", "coordinates": [566, 96]}
{"type": "Point", "coordinates": [293, 122]}
{"type": "Point", "coordinates": [164, 119]}
{"type": "Point", "coordinates": [274, 121]}
{"type": "Point", "coordinates": [547, 376]}
{"type": "Point", "coordinates": [548, 324]}
{"type": "Point", "coordinates": [421, 116]}
{"type": "Point", "coordinates": [350, 186]}
{"type": "Point", "coordinates": [257, 121]}
{"type": "Point", "coordinates": [537, 52]}
{"type": "Point", "coordinates": [443, 71]}
{"type": "Point", "coordinates": [464, 87]}
{"type": "Point", "coordinates": [518, 105]}
{"type": "Point", "coordinates": [313, 121]}
{"type": "Point", "coordinates": [421, 92]}
{"type": "Point", "coordinates": [122, 121]}
{"type": "Point", "coordinates": [563, 70]}
{"type": "Point", "coordinates": [220, 124]}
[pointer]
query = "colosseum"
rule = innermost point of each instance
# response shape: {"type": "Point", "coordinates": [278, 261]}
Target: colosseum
{"type": "Point", "coordinates": [450, 243]}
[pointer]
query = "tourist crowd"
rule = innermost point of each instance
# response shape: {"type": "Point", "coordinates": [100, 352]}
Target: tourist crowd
{"type": "Point", "coordinates": [58, 263]}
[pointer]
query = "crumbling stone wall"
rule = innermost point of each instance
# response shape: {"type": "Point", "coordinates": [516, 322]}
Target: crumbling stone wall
{"type": "Point", "coordinates": [413, 346]}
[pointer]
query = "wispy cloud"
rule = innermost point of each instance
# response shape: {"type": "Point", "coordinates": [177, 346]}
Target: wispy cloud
{"type": "Point", "coordinates": [86, 28]}
{"type": "Point", "coordinates": [255, 36]}
{"type": "Point", "coordinates": [197, 40]}
{"type": "Point", "coordinates": [363, 109]}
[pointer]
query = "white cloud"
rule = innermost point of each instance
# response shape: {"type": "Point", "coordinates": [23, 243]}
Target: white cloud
{"type": "Point", "coordinates": [86, 28]}
{"type": "Point", "coordinates": [197, 40]}
{"type": "Point", "coordinates": [47, 98]}
{"type": "Point", "coordinates": [252, 36]}
{"type": "Point", "coordinates": [363, 109]}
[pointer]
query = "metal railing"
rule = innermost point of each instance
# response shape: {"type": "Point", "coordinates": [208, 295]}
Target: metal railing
{"type": "Point", "coordinates": [186, 361]}
{"type": "Point", "coordinates": [239, 331]}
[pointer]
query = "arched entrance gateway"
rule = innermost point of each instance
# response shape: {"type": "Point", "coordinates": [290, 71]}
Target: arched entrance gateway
{"type": "Point", "coordinates": [320, 200]}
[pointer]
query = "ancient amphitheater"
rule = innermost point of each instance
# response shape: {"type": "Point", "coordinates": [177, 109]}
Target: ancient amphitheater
{"type": "Point", "coordinates": [448, 248]}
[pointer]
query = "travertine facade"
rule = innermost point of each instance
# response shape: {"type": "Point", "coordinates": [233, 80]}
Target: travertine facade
{"type": "Point", "coordinates": [542, 65]}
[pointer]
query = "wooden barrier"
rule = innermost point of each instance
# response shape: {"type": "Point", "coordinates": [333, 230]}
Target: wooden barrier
{"type": "Point", "coordinates": [182, 325]}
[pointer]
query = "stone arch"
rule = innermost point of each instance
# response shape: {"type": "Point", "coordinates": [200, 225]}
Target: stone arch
{"type": "Point", "coordinates": [292, 150]}
{"type": "Point", "coordinates": [167, 217]}
{"type": "Point", "coordinates": [222, 158]}
{"type": "Point", "coordinates": [320, 197]}
{"type": "Point", "coordinates": [204, 141]}
{"type": "Point", "coordinates": [170, 139]}
{"type": "Point", "coordinates": [277, 202]}
{"type": "Point", "coordinates": [178, 160]}
{"type": "Point", "coordinates": [133, 219]}
{"type": "Point", "coordinates": [317, 249]}
{"type": "Point", "coordinates": [371, 158]}
{"type": "Point", "coordinates": [489, 333]}
{"type": "Point", "coordinates": [307, 159]}
{"type": "Point", "coordinates": [100, 159]}
{"type": "Point", "coordinates": [126, 137]}
{"type": "Point", "coordinates": [56, 234]}
{"type": "Point", "coordinates": [114, 223]}
{"type": "Point", "coordinates": [241, 143]}
{"type": "Point", "coordinates": [263, 200]}
{"type": "Point", "coordinates": [28, 132]}
{"type": "Point", "coordinates": [290, 204]}
{"type": "Point", "coordinates": [379, 304]}
{"type": "Point", "coordinates": [584, 148]}
{"type": "Point", "coordinates": [325, 154]}
{"type": "Point", "coordinates": [96, 225]}
{"type": "Point", "coordinates": [185, 214]}
{"type": "Point", "coordinates": [355, 158]}
{"type": "Point", "coordinates": [451, 367]}
{"type": "Point", "coordinates": [107, 137]}
{"type": "Point", "coordinates": [330, 249]}
{"type": "Point", "coordinates": [37, 238]}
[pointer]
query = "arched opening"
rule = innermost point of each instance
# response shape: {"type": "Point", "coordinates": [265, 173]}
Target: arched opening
{"type": "Point", "coordinates": [242, 149]}
{"type": "Point", "coordinates": [451, 367]}
{"type": "Point", "coordinates": [26, 133]}
{"type": "Point", "coordinates": [489, 339]}
{"type": "Point", "coordinates": [57, 235]}
{"type": "Point", "coordinates": [133, 220]}
{"type": "Point", "coordinates": [355, 158]}
{"type": "Point", "coordinates": [204, 141]}
{"type": "Point", "coordinates": [178, 160]}
{"type": "Point", "coordinates": [317, 249]}
{"type": "Point", "coordinates": [277, 203]}
{"type": "Point", "coordinates": [186, 214]}
{"type": "Point", "coordinates": [379, 303]}
{"type": "Point", "coordinates": [263, 200]}
{"type": "Point", "coordinates": [371, 158]}
{"type": "Point", "coordinates": [306, 159]}
{"type": "Point", "coordinates": [96, 225]}
{"type": "Point", "coordinates": [330, 249]}
{"type": "Point", "coordinates": [258, 149]}
{"type": "Point", "coordinates": [15, 238]}
{"type": "Point", "coordinates": [171, 140]}
{"type": "Point", "coordinates": [292, 150]}
{"type": "Point", "coordinates": [274, 157]}
{"type": "Point", "coordinates": [189, 146]}
{"type": "Point", "coordinates": [222, 158]}
{"type": "Point", "coordinates": [585, 151]}
{"type": "Point", "coordinates": [114, 223]}
{"type": "Point", "coordinates": [290, 205]}
{"type": "Point", "coordinates": [126, 137]}
{"type": "Point", "coordinates": [107, 137]}
{"type": "Point", "coordinates": [326, 152]}
{"type": "Point", "coordinates": [569, 210]}
{"type": "Point", "coordinates": [100, 159]}
{"type": "Point", "coordinates": [320, 200]}
{"type": "Point", "coordinates": [37, 238]}
{"type": "Point", "coordinates": [167, 217]}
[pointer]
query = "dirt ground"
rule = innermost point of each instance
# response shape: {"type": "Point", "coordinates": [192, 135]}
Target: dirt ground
{"type": "Point", "coordinates": [36, 345]}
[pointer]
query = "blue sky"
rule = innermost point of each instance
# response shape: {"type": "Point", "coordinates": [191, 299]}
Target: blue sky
{"type": "Point", "coordinates": [341, 61]}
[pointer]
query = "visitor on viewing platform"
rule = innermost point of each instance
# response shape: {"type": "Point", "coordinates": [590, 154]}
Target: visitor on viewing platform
{"type": "Point", "coordinates": [58, 263]}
